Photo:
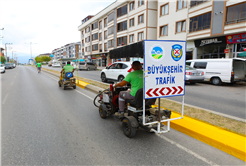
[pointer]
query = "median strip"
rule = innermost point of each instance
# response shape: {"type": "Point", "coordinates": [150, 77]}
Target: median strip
{"type": "Point", "coordinates": [224, 133]}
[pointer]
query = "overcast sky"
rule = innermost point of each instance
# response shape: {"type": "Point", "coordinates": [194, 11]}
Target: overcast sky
{"type": "Point", "coordinates": [48, 23]}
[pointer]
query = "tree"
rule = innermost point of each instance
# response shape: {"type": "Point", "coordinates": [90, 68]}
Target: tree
{"type": "Point", "coordinates": [38, 59]}
{"type": "Point", "coordinates": [3, 59]}
{"type": "Point", "coordinates": [46, 58]}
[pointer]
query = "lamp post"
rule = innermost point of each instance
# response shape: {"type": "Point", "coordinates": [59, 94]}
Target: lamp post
{"type": "Point", "coordinates": [6, 49]}
{"type": "Point", "coordinates": [1, 36]}
{"type": "Point", "coordinates": [31, 47]}
{"type": "Point", "coordinates": [12, 55]}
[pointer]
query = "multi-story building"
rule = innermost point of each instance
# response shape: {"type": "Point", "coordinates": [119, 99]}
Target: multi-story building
{"type": "Point", "coordinates": [208, 26]}
{"type": "Point", "coordinates": [72, 50]}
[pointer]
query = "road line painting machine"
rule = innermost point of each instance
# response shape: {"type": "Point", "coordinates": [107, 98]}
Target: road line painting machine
{"type": "Point", "coordinates": [164, 76]}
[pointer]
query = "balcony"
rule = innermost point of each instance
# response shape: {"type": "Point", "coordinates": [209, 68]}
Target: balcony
{"type": "Point", "coordinates": [235, 21]}
{"type": "Point", "coordinates": [194, 3]}
{"type": "Point", "coordinates": [199, 28]}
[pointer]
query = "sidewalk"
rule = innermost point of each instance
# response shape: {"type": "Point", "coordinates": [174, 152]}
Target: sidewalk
{"type": "Point", "coordinates": [100, 68]}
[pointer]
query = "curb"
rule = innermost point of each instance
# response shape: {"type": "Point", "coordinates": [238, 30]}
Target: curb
{"type": "Point", "coordinates": [229, 142]}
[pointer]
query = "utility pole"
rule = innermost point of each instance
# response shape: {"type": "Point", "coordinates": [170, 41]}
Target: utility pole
{"type": "Point", "coordinates": [12, 56]}
{"type": "Point", "coordinates": [6, 49]}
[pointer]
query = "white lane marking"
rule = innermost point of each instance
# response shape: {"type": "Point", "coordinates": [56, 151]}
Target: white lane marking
{"type": "Point", "coordinates": [165, 138]}
{"type": "Point", "coordinates": [187, 150]}
{"type": "Point", "coordinates": [5, 98]}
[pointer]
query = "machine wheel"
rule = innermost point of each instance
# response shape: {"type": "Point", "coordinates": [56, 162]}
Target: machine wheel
{"type": "Point", "coordinates": [121, 78]}
{"type": "Point", "coordinates": [216, 81]}
{"type": "Point", "coordinates": [103, 77]}
{"type": "Point", "coordinates": [74, 87]}
{"type": "Point", "coordinates": [88, 69]}
{"type": "Point", "coordinates": [59, 83]}
{"type": "Point", "coordinates": [102, 111]}
{"type": "Point", "coordinates": [128, 130]}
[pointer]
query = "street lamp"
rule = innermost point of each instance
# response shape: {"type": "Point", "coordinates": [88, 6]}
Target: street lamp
{"type": "Point", "coordinates": [1, 37]}
{"type": "Point", "coordinates": [6, 49]}
{"type": "Point", "coordinates": [31, 47]}
{"type": "Point", "coordinates": [12, 56]}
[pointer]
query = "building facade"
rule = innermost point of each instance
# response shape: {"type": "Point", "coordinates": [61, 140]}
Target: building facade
{"type": "Point", "coordinates": [209, 26]}
{"type": "Point", "coordinates": [72, 50]}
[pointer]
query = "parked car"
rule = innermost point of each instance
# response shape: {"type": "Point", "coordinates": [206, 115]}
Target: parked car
{"type": "Point", "coordinates": [8, 66]}
{"type": "Point", "coordinates": [116, 71]}
{"type": "Point", "coordinates": [217, 71]}
{"type": "Point", "coordinates": [2, 68]}
{"type": "Point", "coordinates": [56, 64]}
{"type": "Point", "coordinates": [63, 63]}
{"type": "Point", "coordinates": [193, 76]}
{"type": "Point", "coordinates": [87, 66]}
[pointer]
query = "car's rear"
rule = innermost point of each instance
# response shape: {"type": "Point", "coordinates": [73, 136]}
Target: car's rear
{"type": "Point", "coordinates": [82, 66]}
{"type": "Point", "coordinates": [2, 68]}
{"type": "Point", "coordinates": [193, 76]}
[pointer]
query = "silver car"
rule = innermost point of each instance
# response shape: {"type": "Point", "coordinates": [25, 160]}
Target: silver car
{"type": "Point", "coordinates": [87, 66]}
{"type": "Point", "coordinates": [193, 76]}
{"type": "Point", "coordinates": [2, 68]}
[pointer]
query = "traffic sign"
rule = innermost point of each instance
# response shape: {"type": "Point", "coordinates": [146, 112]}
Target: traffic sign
{"type": "Point", "coordinates": [164, 68]}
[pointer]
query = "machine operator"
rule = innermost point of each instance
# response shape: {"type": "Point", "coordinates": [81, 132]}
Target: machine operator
{"type": "Point", "coordinates": [135, 78]}
{"type": "Point", "coordinates": [67, 68]}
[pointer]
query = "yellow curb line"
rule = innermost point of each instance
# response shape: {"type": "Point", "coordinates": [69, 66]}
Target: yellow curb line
{"type": "Point", "coordinates": [219, 138]}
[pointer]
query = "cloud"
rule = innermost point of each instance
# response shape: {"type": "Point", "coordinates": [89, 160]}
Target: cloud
{"type": "Point", "coordinates": [49, 23]}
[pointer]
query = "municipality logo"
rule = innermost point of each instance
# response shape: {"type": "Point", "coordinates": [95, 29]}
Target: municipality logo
{"type": "Point", "coordinates": [69, 75]}
{"type": "Point", "coordinates": [157, 52]}
{"type": "Point", "coordinates": [176, 52]}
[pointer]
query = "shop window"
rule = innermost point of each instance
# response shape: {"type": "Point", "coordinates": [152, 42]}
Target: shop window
{"type": "Point", "coordinates": [122, 26]}
{"type": "Point", "coordinates": [200, 22]}
{"type": "Point", "coordinates": [181, 4]}
{"type": "Point", "coordinates": [121, 41]}
{"type": "Point", "coordinates": [131, 5]}
{"type": "Point", "coordinates": [110, 17]}
{"type": "Point", "coordinates": [122, 11]}
{"type": "Point", "coordinates": [236, 14]}
{"type": "Point", "coordinates": [180, 26]}
{"type": "Point", "coordinates": [164, 9]}
{"type": "Point", "coordinates": [200, 65]}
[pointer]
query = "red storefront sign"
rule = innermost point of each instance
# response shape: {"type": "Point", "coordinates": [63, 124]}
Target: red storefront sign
{"type": "Point", "coordinates": [236, 38]}
{"type": "Point", "coordinates": [226, 51]}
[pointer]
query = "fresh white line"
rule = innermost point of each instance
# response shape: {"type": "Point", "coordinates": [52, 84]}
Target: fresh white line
{"type": "Point", "coordinates": [188, 150]}
{"type": "Point", "coordinates": [5, 98]}
{"type": "Point", "coordinates": [85, 95]}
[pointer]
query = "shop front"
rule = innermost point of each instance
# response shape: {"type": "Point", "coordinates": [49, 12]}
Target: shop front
{"type": "Point", "coordinates": [100, 60]}
{"type": "Point", "coordinates": [236, 44]}
{"type": "Point", "coordinates": [211, 48]}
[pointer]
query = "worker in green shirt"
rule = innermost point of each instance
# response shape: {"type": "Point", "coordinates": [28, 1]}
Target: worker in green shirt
{"type": "Point", "coordinates": [136, 80]}
{"type": "Point", "coordinates": [67, 68]}
{"type": "Point", "coordinates": [39, 65]}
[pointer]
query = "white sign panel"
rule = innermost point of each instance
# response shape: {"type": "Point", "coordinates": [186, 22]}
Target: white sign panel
{"type": "Point", "coordinates": [164, 68]}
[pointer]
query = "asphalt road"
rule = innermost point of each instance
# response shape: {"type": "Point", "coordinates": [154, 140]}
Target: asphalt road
{"type": "Point", "coordinates": [45, 125]}
{"type": "Point", "coordinates": [227, 99]}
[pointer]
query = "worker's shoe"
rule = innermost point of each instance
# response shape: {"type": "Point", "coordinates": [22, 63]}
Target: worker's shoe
{"type": "Point", "coordinates": [119, 114]}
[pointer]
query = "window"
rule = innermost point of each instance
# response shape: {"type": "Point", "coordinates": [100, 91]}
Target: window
{"type": "Point", "coordinates": [105, 46]}
{"type": "Point", "coordinates": [105, 22]}
{"type": "Point", "coordinates": [100, 24]}
{"type": "Point", "coordinates": [88, 48]}
{"type": "Point", "coordinates": [200, 65]}
{"type": "Point", "coordinates": [180, 26]}
{"type": "Point", "coordinates": [164, 9]}
{"type": "Point", "coordinates": [181, 4]}
{"type": "Point", "coordinates": [140, 36]}
{"type": "Point", "coordinates": [110, 30]}
{"type": "Point", "coordinates": [94, 26]}
{"type": "Point", "coordinates": [121, 41]}
{"type": "Point", "coordinates": [122, 11]}
{"type": "Point", "coordinates": [110, 43]}
{"type": "Point", "coordinates": [87, 30]}
{"type": "Point", "coordinates": [122, 26]}
{"type": "Point", "coordinates": [94, 36]}
{"type": "Point", "coordinates": [131, 22]}
{"type": "Point", "coordinates": [200, 22]}
{"type": "Point", "coordinates": [236, 13]}
{"type": "Point", "coordinates": [131, 5]}
{"type": "Point", "coordinates": [105, 34]}
{"type": "Point", "coordinates": [100, 36]}
{"type": "Point", "coordinates": [131, 38]}
{"type": "Point", "coordinates": [140, 2]}
{"type": "Point", "coordinates": [163, 30]}
{"type": "Point", "coordinates": [140, 19]}
{"type": "Point", "coordinates": [194, 3]}
{"type": "Point", "coordinates": [87, 39]}
{"type": "Point", "coordinates": [94, 47]}
{"type": "Point", "coordinates": [100, 47]}
{"type": "Point", "coordinates": [110, 17]}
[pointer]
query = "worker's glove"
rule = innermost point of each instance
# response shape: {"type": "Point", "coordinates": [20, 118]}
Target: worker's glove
{"type": "Point", "coordinates": [113, 85]}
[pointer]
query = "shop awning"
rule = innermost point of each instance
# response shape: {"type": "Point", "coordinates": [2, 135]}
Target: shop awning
{"type": "Point", "coordinates": [132, 50]}
{"type": "Point", "coordinates": [242, 54]}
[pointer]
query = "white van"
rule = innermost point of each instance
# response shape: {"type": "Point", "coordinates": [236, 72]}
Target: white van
{"type": "Point", "coordinates": [56, 64]}
{"type": "Point", "coordinates": [221, 70]}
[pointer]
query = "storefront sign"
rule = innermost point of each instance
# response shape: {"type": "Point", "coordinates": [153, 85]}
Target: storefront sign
{"type": "Point", "coordinates": [236, 38]}
{"type": "Point", "coordinates": [164, 67]}
{"type": "Point", "coordinates": [226, 51]}
{"type": "Point", "coordinates": [205, 42]}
